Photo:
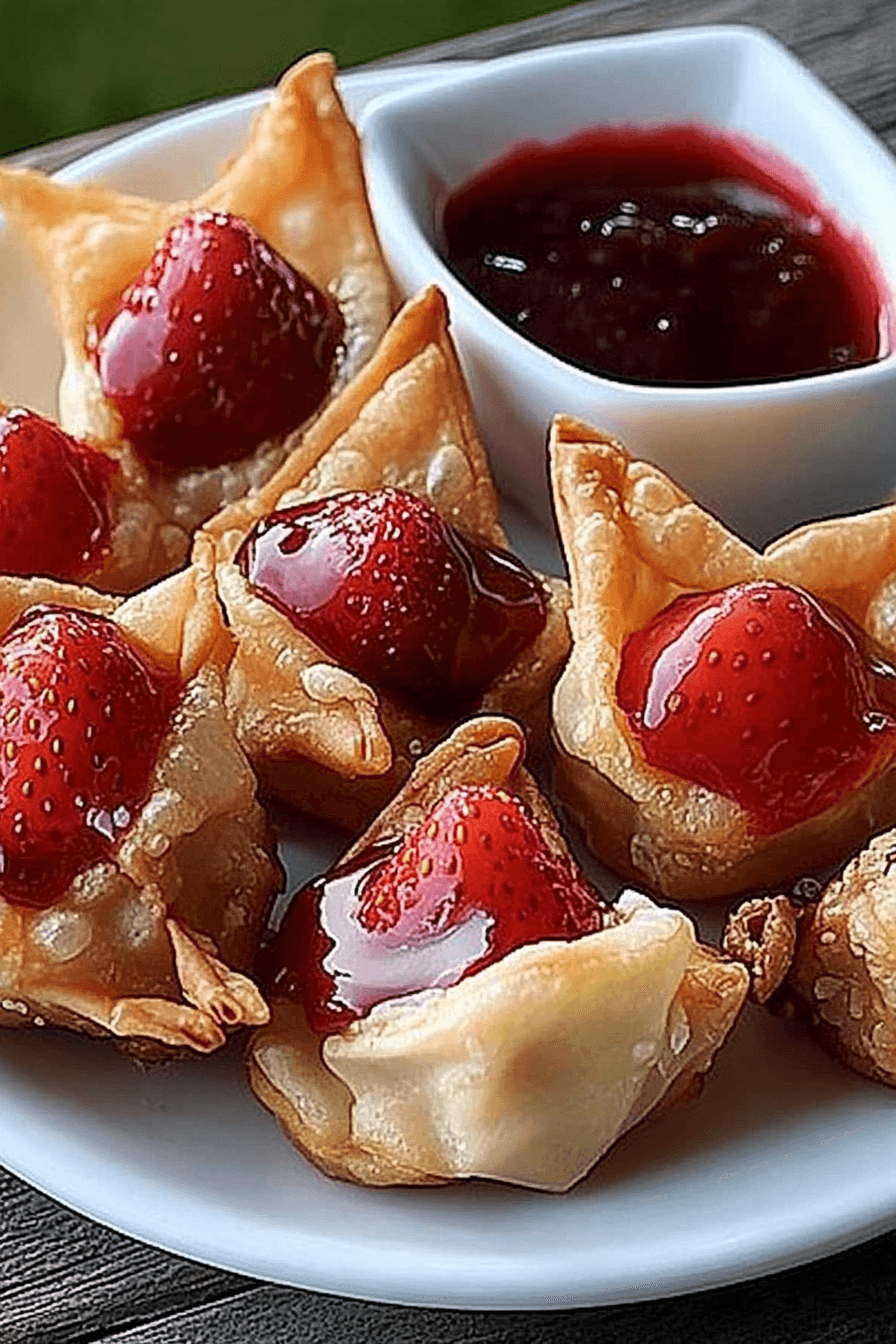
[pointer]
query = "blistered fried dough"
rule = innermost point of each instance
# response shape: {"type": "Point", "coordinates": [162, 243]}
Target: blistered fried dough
{"type": "Point", "coordinates": [318, 736]}
{"type": "Point", "coordinates": [298, 182]}
{"type": "Point", "coordinates": [762, 934]}
{"type": "Point", "coordinates": [527, 1071]}
{"type": "Point", "coordinates": [843, 976]}
{"type": "Point", "coordinates": [405, 420]}
{"type": "Point", "coordinates": [634, 541]}
{"type": "Point", "coordinates": [151, 945]}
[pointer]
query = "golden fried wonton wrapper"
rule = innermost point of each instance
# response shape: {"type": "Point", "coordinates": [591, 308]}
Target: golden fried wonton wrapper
{"type": "Point", "coordinates": [634, 541]}
{"type": "Point", "coordinates": [144, 946]}
{"type": "Point", "coordinates": [832, 961]}
{"type": "Point", "coordinates": [843, 974]}
{"type": "Point", "coordinates": [298, 181]}
{"type": "Point", "coordinates": [527, 1071]}
{"type": "Point", "coordinates": [317, 735]}
{"type": "Point", "coordinates": [761, 933]}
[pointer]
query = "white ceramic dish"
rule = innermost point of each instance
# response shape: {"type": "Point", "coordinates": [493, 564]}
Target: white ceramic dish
{"type": "Point", "coordinates": [763, 457]}
{"type": "Point", "coordinates": [785, 1157]}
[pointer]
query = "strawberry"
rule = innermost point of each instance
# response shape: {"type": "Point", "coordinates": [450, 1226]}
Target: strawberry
{"type": "Point", "coordinates": [763, 693]}
{"type": "Point", "coordinates": [82, 716]}
{"type": "Point", "coordinates": [472, 882]}
{"type": "Point", "coordinates": [55, 510]}
{"type": "Point", "coordinates": [395, 594]}
{"type": "Point", "coordinates": [219, 345]}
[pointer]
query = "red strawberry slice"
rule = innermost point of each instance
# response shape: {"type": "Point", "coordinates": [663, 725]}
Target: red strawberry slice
{"type": "Point", "coordinates": [219, 345]}
{"type": "Point", "coordinates": [471, 883]}
{"type": "Point", "coordinates": [763, 693]}
{"type": "Point", "coordinates": [82, 715]}
{"type": "Point", "coordinates": [395, 594]}
{"type": "Point", "coordinates": [55, 509]}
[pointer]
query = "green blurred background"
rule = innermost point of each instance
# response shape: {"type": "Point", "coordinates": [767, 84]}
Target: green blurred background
{"type": "Point", "coordinates": [75, 66]}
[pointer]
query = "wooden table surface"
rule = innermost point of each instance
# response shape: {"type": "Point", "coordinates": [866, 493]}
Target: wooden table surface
{"type": "Point", "coordinates": [65, 1280]}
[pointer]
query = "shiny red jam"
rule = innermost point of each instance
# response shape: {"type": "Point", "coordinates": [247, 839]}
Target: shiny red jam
{"type": "Point", "coordinates": [471, 883]}
{"type": "Point", "coordinates": [675, 255]}
{"type": "Point", "coordinates": [763, 693]}
{"type": "Point", "coordinates": [55, 499]}
{"type": "Point", "coordinates": [82, 716]}
{"type": "Point", "coordinates": [395, 594]}
{"type": "Point", "coordinates": [219, 345]}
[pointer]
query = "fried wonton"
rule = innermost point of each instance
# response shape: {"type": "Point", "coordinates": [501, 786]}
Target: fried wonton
{"type": "Point", "coordinates": [526, 1071]}
{"type": "Point", "coordinates": [151, 944]}
{"type": "Point", "coordinates": [843, 975]}
{"type": "Point", "coordinates": [762, 933]}
{"type": "Point", "coordinates": [634, 541]}
{"type": "Point", "coordinates": [318, 736]}
{"type": "Point", "coordinates": [298, 182]}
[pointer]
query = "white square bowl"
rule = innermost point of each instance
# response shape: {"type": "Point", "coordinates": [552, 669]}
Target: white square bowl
{"type": "Point", "coordinates": [762, 456]}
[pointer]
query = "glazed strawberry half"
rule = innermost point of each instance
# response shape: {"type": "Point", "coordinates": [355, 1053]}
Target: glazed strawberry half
{"type": "Point", "coordinates": [394, 593]}
{"type": "Point", "coordinates": [467, 886]}
{"type": "Point", "coordinates": [55, 504]}
{"type": "Point", "coordinates": [763, 693]}
{"type": "Point", "coordinates": [218, 346]}
{"type": "Point", "coordinates": [82, 715]}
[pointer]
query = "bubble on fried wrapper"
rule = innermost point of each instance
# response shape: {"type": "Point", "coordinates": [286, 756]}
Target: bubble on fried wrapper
{"type": "Point", "coordinates": [62, 934]}
{"type": "Point", "coordinates": [448, 476]}
{"type": "Point", "coordinates": [137, 922]}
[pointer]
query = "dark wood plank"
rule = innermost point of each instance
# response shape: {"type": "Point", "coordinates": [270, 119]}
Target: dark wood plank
{"type": "Point", "coordinates": [850, 1299]}
{"type": "Point", "coordinates": [65, 1278]}
{"type": "Point", "coordinates": [67, 1281]}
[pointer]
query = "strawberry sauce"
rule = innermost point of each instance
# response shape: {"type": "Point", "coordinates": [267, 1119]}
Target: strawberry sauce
{"type": "Point", "coordinates": [462, 890]}
{"type": "Point", "coordinates": [219, 345]}
{"type": "Point", "coordinates": [676, 255]}
{"type": "Point", "coordinates": [325, 956]}
{"type": "Point", "coordinates": [55, 499]}
{"type": "Point", "coordinates": [82, 716]}
{"type": "Point", "coordinates": [397, 595]}
{"type": "Point", "coordinates": [762, 693]}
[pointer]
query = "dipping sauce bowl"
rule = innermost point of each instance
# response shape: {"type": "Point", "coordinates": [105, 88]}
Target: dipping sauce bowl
{"type": "Point", "coordinates": [764, 456]}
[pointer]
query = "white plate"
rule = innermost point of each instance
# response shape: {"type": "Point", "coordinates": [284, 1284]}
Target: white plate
{"type": "Point", "coordinates": [786, 1156]}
